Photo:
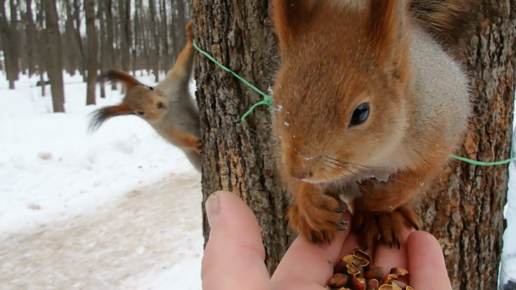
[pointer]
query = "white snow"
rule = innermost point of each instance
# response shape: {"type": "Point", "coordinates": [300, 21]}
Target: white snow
{"type": "Point", "coordinates": [116, 209]}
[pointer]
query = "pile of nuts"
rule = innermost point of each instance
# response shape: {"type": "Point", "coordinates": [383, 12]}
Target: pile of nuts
{"type": "Point", "coordinates": [358, 273]}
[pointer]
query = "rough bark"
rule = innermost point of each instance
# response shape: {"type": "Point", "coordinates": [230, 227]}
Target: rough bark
{"type": "Point", "coordinates": [237, 154]}
{"type": "Point", "coordinates": [464, 209]}
{"type": "Point", "coordinates": [78, 38]}
{"type": "Point", "coordinates": [103, 40]}
{"type": "Point", "coordinates": [93, 47]}
{"type": "Point", "coordinates": [7, 46]}
{"type": "Point", "coordinates": [31, 40]}
{"type": "Point", "coordinates": [110, 36]}
{"type": "Point", "coordinates": [154, 36]}
{"type": "Point", "coordinates": [164, 33]}
{"type": "Point", "coordinates": [125, 33]}
{"type": "Point", "coordinates": [54, 62]}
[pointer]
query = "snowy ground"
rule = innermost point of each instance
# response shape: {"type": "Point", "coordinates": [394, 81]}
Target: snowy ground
{"type": "Point", "coordinates": [116, 209]}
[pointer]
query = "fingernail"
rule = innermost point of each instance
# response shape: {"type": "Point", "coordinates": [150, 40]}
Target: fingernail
{"type": "Point", "coordinates": [213, 208]}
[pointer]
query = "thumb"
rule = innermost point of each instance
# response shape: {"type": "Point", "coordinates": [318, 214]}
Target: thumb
{"type": "Point", "coordinates": [234, 255]}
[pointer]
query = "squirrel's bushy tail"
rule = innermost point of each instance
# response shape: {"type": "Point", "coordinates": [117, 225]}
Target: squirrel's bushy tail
{"type": "Point", "coordinates": [451, 22]}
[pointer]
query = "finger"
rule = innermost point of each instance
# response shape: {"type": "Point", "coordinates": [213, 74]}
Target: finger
{"type": "Point", "coordinates": [234, 255]}
{"type": "Point", "coordinates": [426, 263]}
{"type": "Point", "coordinates": [389, 258]}
{"type": "Point", "coordinates": [309, 266]}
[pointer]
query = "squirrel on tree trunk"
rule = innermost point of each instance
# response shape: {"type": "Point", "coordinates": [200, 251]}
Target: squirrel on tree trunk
{"type": "Point", "coordinates": [370, 100]}
{"type": "Point", "coordinates": [168, 107]}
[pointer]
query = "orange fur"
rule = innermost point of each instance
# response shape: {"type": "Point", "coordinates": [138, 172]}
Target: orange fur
{"type": "Point", "coordinates": [157, 107]}
{"type": "Point", "coordinates": [335, 58]}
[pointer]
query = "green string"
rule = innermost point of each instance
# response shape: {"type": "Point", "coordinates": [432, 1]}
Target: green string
{"type": "Point", "coordinates": [267, 100]}
{"type": "Point", "coordinates": [480, 163]}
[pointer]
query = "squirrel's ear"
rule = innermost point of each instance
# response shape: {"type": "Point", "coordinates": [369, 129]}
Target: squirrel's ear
{"type": "Point", "coordinates": [114, 76]}
{"type": "Point", "coordinates": [288, 16]}
{"type": "Point", "coordinates": [387, 20]}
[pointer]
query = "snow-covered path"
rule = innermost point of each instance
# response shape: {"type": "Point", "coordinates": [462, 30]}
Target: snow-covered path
{"type": "Point", "coordinates": [148, 241]}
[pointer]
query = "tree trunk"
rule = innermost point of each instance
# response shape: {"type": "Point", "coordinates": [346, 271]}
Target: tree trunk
{"type": "Point", "coordinates": [164, 36]}
{"type": "Point", "coordinates": [8, 46]}
{"type": "Point", "coordinates": [31, 40]}
{"type": "Point", "coordinates": [93, 48]}
{"type": "Point", "coordinates": [15, 38]}
{"type": "Point", "coordinates": [125, 31]}
{"type": "Point", "coordinates": [103, 58]}
{"type": "Point", "coordinates": [78, 38]}
{"type": "Point", "coordinates": [237, 155]}
{"type": "Point", "coordinates": [464, 208]}
{"type": "Point", "coordinates": [110, 36]}
{"type": "Point", "coordinates": [156, 57]}
{"type": "Point", "coordinates": [54, 62]}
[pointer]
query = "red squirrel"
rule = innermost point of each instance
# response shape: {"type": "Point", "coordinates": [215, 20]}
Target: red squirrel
{"type": "Point", "coordinates": [168, 107]}
{"type": "Point", "coordinates": [368, 107]}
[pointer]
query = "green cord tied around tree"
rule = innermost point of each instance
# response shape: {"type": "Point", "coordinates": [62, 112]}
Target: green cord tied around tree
{"type": "Point", "coordinates": [267, 100]}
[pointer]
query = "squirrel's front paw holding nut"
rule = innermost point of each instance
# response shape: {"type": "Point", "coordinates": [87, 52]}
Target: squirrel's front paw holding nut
{"type": "Point", "coordinates": [317, 223]}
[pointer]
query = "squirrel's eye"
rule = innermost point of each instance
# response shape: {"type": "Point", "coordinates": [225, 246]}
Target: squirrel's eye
{"type": "Point", "coordinates": [360, 115]}
{"type": "Point", "coordinates": [151, 88]}
{"type": "Point", "coordinates": [160, 105]}
{"type": "Point", "coordinates": [140, 113]}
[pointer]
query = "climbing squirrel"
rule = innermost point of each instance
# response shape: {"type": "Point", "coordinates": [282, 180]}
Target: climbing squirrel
{"type": "Point", "coordinates": [168, 107]}
{"type": "Point", "coordinates": [368, 106]}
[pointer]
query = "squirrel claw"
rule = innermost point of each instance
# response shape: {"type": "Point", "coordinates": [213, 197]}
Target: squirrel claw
{"type": "Point", "coordinates": [387, 227]}
{"type": "Point", "coordinates": [317, 224]}
{"type": "Point", "coordinates": [198, 147]}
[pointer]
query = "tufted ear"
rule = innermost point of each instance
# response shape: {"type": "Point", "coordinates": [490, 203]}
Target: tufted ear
{"type": "Point", "coordinates": [115, 76]}
{"type": "Point", "coordinates": [387, 19]}
{"type": "Point", "coordinates": [288, 17]}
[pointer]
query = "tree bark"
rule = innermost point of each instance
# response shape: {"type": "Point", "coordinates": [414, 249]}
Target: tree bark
{"type": "Point", "coordinates": [78, 38]}
{"type": "Point", "coordinates": [93, 48]}
{"type": "Point", "coordinates": [125, 32]}
{"type": "Point", "coordinates": [54, 62]}
{"type": "Point", "coordinates": [31, 40]}
{"type": "Point", "coordinates": [164, 36]}
{"type": "Point", "coordinates": [237, 154]}
{"type": "Point", "coordinates": [110, 36]}
{"type": "Point", "coordinates": [152, 23]}
{"type": "Point", "coordinates": [8, 46]}
{"type": "Point", "coordinates": [464, 208]}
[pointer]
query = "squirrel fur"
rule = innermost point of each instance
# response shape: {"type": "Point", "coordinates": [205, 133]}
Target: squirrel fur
{"type": "Point", "coordinates": [369, 103]}
{"type": "Point", "coordinates": [168, 107]}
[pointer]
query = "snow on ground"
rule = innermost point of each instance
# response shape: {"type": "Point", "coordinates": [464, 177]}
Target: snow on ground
{"type": "Point", "coordinates": [116, 209]}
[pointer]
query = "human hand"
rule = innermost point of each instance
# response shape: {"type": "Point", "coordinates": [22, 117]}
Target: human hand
{"type": "Point", "coordinates": [234, 255]}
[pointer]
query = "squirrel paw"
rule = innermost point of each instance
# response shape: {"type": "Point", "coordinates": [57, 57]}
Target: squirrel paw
{"type": "Point", "coordinates": [385, 227]}
{"type": "Point", "coordinates": [198, 147]}
{"type": "Point", "coordinates": [317, 224]}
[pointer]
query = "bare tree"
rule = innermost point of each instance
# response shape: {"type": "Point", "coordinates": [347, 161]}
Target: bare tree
{"type": "Point", "coordinates": [155, 37]}
{"type": "Point", "coordinates": [78, 38]}
{"type": "Point", "coordinates": [93, 47]}
{"type": "Point", "coordinates": [124, 15]}
{"type": "Point", "coordinates": [465, 206]}
{"type": "Point", "coordinates": [54, 62]}
{"type": "Point", "coordinates": [31, 38]}
{"type": "Point", "coordinates": [8, 47]}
